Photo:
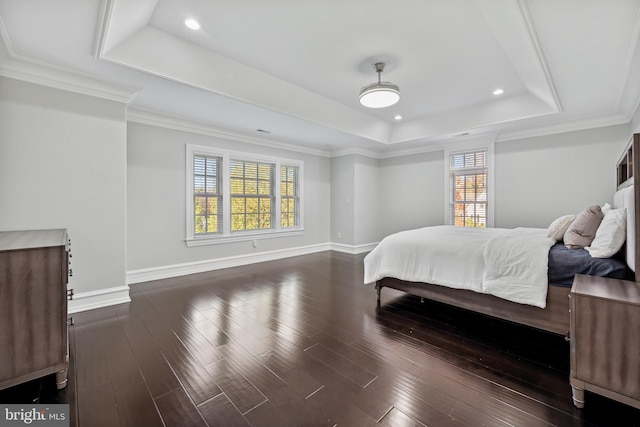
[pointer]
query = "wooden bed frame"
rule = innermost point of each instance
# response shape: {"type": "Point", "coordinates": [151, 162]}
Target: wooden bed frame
{"type": "Point", "coordinates": [555, 317]}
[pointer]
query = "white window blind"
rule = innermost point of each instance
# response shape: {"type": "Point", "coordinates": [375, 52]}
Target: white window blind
{"type": "Point", "coordinates": [234, 196]}
{"type": "Point", "coordinates": [468, 177]}
{"type": "Point", "coordinates": [252, 198]}
{"type": "Point", "coordinates": [207, 197]}
{"type": "Point", "coordinates": [289, 197]}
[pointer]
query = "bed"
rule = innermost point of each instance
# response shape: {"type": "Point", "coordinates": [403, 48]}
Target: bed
{"type": "Point", "coordinates": [550, 312]}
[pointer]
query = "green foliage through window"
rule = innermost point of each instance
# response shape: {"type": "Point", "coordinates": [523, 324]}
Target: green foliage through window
{"type": "Point", "coordinates": [252, 195]}
{"type": "Point", "coordinates": [232, 196]}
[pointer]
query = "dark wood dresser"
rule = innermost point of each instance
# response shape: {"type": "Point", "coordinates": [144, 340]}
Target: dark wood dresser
{"type": "Point", "coordinates": [605, 349]}
{"type": "Point", "coordinates": [34, 269]}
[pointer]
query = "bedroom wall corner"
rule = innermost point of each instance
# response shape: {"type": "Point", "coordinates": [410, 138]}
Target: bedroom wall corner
{"type": "Point", "coordinates": [411, 192]}
{"type": "Point", "coordinates": [367, 201]}
{"type": "Point", "coordinates": [343, 200]}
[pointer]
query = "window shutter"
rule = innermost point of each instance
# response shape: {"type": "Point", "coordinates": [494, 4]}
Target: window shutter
{"type": "Point", "coordinates": [207, 195]}
{"type": "Point", "coordinates": [468, 173]}
{"type": "Point", "coordinates": [289, 197]}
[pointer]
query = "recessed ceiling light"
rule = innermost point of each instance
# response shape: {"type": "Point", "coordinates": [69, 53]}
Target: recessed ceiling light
{"type": "Point", "coordinates": [192, 23]}
{"type": "Point", "coordinates": [397, 117]}
{"type": "Point", "coordinates": [498, 91]}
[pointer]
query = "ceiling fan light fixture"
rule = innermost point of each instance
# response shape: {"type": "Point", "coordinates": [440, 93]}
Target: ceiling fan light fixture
{"type": "Point", "coordinates": [379, 94]}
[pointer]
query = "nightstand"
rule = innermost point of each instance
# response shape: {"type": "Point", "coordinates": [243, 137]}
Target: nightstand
{"type": "Point", "coordinates": [605, 344]}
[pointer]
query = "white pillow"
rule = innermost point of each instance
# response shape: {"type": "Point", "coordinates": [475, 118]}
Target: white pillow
{"type": "Point", "coordinates": [606, 208]}
{"type": "Point", "coordinates": [559, 226]}
{"type": "Point", "coordinates": [610, 235]}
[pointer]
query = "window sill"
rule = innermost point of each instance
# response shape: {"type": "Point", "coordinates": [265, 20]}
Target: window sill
{"type": "Point", "coordinates": [244, 237]}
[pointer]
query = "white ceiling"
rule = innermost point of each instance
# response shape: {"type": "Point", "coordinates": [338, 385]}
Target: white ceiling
{"type": "Point", "coordinates": [295, 67]}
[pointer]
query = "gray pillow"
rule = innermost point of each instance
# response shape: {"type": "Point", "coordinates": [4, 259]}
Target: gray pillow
{"type": "Point", "coordinates": [583, 229]}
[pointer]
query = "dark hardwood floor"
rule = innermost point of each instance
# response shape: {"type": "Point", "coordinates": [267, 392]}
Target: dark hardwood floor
{"type": "Point", "coordinates": [301, 342]}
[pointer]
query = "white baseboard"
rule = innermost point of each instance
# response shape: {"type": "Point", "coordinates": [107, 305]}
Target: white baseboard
{"type": "Point", "coordinates": [98, 299]}
{"type": "Point", "coordinates": [353, 249]}
{"type": "Point", "coordinates": [175, 270]}
{"type": "Point", "coordinates": [119, 295]}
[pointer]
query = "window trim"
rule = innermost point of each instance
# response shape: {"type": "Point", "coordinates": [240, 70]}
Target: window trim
{"type": "Point", "coordinates": [296, 198]}
{"type": "Point", "coordinates": [486, 143]}
{"type": "Point", "coordinates": [227, 236]}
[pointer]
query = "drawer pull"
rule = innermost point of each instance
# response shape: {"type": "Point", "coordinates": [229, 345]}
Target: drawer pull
{"type": "Point", "coordinates": [70, 294]}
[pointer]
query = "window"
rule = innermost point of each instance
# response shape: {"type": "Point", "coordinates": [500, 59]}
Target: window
{"type": "Point", "coordinates": [207, 198]}
{"type": "Point", "coordinates": [234, 196]}
{"type": "Point", "coordinates": [468, 178]}
{"type": "Point", "coordinates": [289, 197]}
{"type": "Point", "coordinates": [251, 195]}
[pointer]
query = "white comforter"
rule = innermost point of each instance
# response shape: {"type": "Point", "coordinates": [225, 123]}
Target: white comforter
{"type": "Point", "coordinates": [508, 263]}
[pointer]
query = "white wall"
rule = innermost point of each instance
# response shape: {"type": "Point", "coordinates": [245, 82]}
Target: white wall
{"type": "Point", "coordinates": [413, 188]}
{"type": "Point", "coordinates": [367, 198]}
{"type": "Point", "coordinates": [342, 200]}
{"type": "Point", "coordinates": [156, 199]}
{"type": "Point", "coordinates": [635, 121]}
{"type": "Point", "coordinates": [541, 178]}
{"type": "Point", "coordinates": [63, 165]}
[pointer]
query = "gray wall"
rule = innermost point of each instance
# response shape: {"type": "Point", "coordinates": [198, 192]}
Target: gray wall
{"type": "Point", "coordinates": [635, 121]}
{"type": "Point", "coordinates": [368, 199]}
{"type": "Point", "coordinates": [538, 179]}
{"type": "Point", "coordinates": [414, 192]}
{"type": "Point", "coordinates": [342, 200]}
{"type": "Point", "coordinates": [63, 165]}
{"type": "Point", "coordinates": [156, 199]}
{"type": "Point", "coordinates": [355, 201]}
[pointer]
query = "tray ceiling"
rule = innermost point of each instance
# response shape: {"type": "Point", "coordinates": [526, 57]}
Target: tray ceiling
{"type": "Point", "coordinates": [295, 68]}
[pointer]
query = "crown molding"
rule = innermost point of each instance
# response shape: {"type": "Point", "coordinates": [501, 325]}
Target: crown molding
{"type": "Point", "coordinates": [411, 151]}
{"type": "Point", "coordinates": [161, 120]}
{"type": "Point", "coordinates": [359, 151]}
{"type": "Point", "coordinates": [153, 118]}
{"type": "Point", "coordinates": [32, 71]}
{"type": "Point", "coordinates": [435, 146]}
{"type": "Point", "coordinates": [43, 74]}
{"type": "Point", "coordinates": [586, 123]}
